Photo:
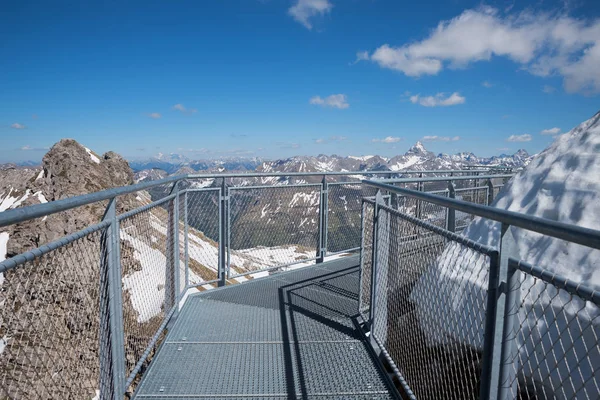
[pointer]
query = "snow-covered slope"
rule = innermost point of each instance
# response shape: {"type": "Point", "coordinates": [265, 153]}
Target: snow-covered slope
{"type": "Point", "coordinates": [562, 184]}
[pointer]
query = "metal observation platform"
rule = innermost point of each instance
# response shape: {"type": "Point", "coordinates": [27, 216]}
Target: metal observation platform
{"type": "Point", "coordinates": [293, 335]}
{"type": "Point", "coordinates": [294, 286]}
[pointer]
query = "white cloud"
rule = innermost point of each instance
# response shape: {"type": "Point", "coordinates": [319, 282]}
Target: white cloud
{"type": "Point", "coordinates": [519, 138]}
{"type": "Point", "coordinates": [441, 138]}
{"type": "Point", "coordinates": [487, 84]}
{"type": "Point", "coordinates": [389, 139]}
{"type": "Point", "coordinates": [181, 107]}
{"type": "Point", "coordinates": [335, 101]}
{"type": "Point", "coordinates": [543, 44]}
{"type": "Point", "coordinates": [438, 100]}
{"type": "Point", "coordinates": [548, 89]}
{"type": "Point", "coordinates": [320, 141]}
{"type": "Point", "coordinates": [338, 138]}
{"type": "Point", "coordinates": [16, 125]}
{"type": "Point", "coordinates": [29, 148]}
{"type": "Point", "coordinates": [551, 131]}
{"type": "Point", "coordinates": [155, 115]}
{"type": "Point", "coordinates": [304, 10]}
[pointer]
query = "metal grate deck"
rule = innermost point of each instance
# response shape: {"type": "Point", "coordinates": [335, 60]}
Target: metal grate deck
{"type": "Point", "coordinates": [287, 336]}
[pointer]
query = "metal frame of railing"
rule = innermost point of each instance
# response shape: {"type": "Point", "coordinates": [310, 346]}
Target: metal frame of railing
{"type": "Point", "coordinates": [500, 325]}
{"type": "Point", "coordinates": [114, 379]}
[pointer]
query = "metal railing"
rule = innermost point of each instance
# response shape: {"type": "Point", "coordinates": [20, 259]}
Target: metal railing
{"type": "Point", "coordinates": [454, 318]}
{"type": "Point", "coordinates": [83, 315]}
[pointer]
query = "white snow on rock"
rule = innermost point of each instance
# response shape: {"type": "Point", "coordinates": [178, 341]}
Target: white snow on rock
{"type": "Point", "coordinates": [40, 175]}
{"type": "Point", "coordinates": [92, 156]}
{"type": "Point", "coordinates": [3, 243]}
{"type": "Point", "coordinates": [7, 201]}
{"type": "Point", "coordinates": [562, 184]}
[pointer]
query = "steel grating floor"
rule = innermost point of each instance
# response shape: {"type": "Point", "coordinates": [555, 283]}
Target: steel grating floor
{"type": "Point", "coordinates": [287, 336]}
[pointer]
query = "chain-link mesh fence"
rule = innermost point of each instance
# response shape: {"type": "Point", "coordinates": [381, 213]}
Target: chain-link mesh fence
{"type": "Point", "coordinates": [148, 276]}
{"type": "Point", "coordinates": [49, 322]}
{"type": "Point", "coordinates": [203, 235]}
{"type": "Point", "coordinates": [273, 226]}
{"type": "Point", "coordinates": [343, 217]}
{"type": "Point", "coordinates": [430, 299]}
{"type": "Point", "coordinates": [555, 350]}
{"type": "Point", "coordinates": [477, 195]}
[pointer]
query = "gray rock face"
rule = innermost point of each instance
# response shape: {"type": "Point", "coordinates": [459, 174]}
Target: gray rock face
{"type": "Point", "coordinates": [68, 169]}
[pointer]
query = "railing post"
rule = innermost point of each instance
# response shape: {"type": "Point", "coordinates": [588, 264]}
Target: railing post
{"type": "Point", "coordinates": [490, 196]}
{"type": "Point", "coordinates": [495, 328]}
{"type": "Point", "coordinates": [112, 349]}
{"type": "Point", "coordinates": [393, 196]}
{"type": "Point", "coordinates": [172, 267]}
{"type": "Point", "coordinates": [223, 234]}
{"type": "Point", "coordinates": [323, 217]}
{"type": "Point", "coordinates": [508, 381]}
{"type": "Point", "coordinates": [186, 239]}
{"type": "Point", "coordinates": [374, 257]}
{"type": "Point", "coordinates": [451, 212]}
{"type": "Point", "coordinates": [420, 187]}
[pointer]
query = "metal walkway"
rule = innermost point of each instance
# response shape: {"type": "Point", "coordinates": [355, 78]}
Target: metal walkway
{"type": "Point", "coordinates": [287, 336]}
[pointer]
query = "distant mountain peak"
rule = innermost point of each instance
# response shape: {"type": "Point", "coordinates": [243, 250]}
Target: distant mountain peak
{"type": "Point", "coordinates": [418, 148]}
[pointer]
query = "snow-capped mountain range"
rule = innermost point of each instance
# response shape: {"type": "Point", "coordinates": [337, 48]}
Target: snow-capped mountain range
{"type": "Point", "coordinates": [416, 158]}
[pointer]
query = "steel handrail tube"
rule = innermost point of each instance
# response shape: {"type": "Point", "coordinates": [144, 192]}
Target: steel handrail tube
{"type": "Point", "coordinates": [572, 233]}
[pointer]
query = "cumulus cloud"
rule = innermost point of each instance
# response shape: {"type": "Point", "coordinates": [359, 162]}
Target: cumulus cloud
{"type": "Point", "coordinates": [29, 148]}
{"type": "Point", "coordinates": [436, 138]}
{"type": "Point", "coordinates": [543, 44]}
{"type": "Point", "coordinates": [154, 115]}
{"type": "Point", "coordinates": [519, 138]}
{"type": "Point", "coordinates": [439, 99]}
{"type": "Point", "coordinates": [183, 109]}
{"type": "Point", "coordinates": [304, 10]}
{"type": "Point", "coordinates": [320, 141]}
{"type": "Point", "coordinates": [334, 101]}
{"type": "Point", "coordinates": [548, 89]}
{"type": "Point", "coordinates": [487, 84]}
{"type": "Point", "coordinates": [551, 131]}
{"type": "Point", "coordinates": [338, 138]}
{"type": "Point", "coordinates": [16, 125]}
{"type": "Point", "coordinates": [389, 139]}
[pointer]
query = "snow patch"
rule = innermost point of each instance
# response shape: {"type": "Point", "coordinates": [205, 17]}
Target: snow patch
{"type": "Point", "coordinates": [40, 175]}
{"type": "Point", "coordinates": [92, 156]}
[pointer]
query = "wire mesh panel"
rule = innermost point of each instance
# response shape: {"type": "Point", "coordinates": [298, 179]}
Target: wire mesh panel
{"type": "Point", "coordinates": [424, 210]}
{"type": "Point", "coordinates": [556, 354]}
{"type": "Point", "coordinates": [49, 324]}
{"type": "Point", "coordinates": [477, 195]}
{"type": "Point", "coordinates": [366, 253]}
{"type": "Point", "coordinates": [147, 265]}
{"type": "Point", "coordinates": [343, 218]}
{"type": "Point", "coordinates": [203, 235]}
{"type": "Point", "coordinates": [273, 226]}
{"type": "Point", "coordinates": [430, 298]}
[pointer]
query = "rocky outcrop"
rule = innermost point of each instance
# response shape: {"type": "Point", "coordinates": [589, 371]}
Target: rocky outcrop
{"type": "Point", "coordinates": [68, 169]}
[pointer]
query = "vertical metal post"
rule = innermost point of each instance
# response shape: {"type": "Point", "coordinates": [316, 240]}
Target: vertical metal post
{"type": "Point", "coordinates": [374, 256]}
{"type": "Point", "coordinates": [172, 267]}
{"type": "Point", "coordinates": [490, 194]}
{"type": "Point", "coordinates": [494, 317]}
{"type": "Point", "coordinates": [186, 239]}
{"type": "Point", "coordinates": [451, 212]}
{"type": "Point", "coordinates": [508, 381]}
{"type": "Point", "coordinates": [420, 188]}
{"type": "Point", "coordinates": [112, 349]}
{"type": "Point", "coordinates": [361, 254]}
{"type": "Point", "coordinates": [222, 276]}
{"type": "Point", "coordinates": [323, 221]}
{"type": "Point", "coordinates": [393, 196]}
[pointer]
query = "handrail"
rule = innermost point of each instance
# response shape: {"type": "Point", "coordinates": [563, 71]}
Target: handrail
{"type": "Point", "coordinates": [332, 173]}
{"type": "Point", "coordinates": [445, 178]}
{"type": "Point", "coordinates": [17, 215]}
{"type": "Point", "coordinates": [10, 217]}
{"type": "Point", "coordinates": [572, 233]}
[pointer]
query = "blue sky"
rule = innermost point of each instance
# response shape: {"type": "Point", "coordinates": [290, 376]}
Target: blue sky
{"type": "Point", "coordinates": [275, 78]}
